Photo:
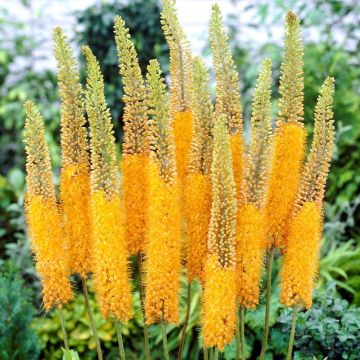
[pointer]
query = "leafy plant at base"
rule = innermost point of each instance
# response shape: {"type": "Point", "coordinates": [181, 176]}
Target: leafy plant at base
{"type": "Point", "coordinates": [329, 329]}
{"type": "Point", "coordinates": [18, 338]}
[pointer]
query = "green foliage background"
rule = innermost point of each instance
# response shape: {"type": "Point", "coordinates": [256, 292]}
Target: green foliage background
{"type": "Point", "coordinates": [334, 320]}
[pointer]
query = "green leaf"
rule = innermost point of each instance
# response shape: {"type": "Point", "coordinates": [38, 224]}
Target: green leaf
{"type": "Point", "coordinates": [70, 354]}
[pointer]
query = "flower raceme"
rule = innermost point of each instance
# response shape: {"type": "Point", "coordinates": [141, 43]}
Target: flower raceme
{"type": "Point", "coordinates": [110, 254]}
{"type": "Point", "coordinates": [219, 299]}
{"type": "Point", "coordinates": [300, 263]}
{"type": "Point", "coordinates": [42, 214]}
{"type": "Point", "coordinates": [162, 262]}
{"type": "Point", "coordinates": [290, 138]}
{"type": "Point", "coordinates": [180, 87]}
{"type": "Point", "coordinates": [135, 154]}
{"type": "Point", "coordinates": [75, 171]}
{"type": "Point", "coordinates": [198, 182]}
{"type": "Point", "coordinates": [228, 100]}
{"type": "Point", "coordinates": [250, 220]}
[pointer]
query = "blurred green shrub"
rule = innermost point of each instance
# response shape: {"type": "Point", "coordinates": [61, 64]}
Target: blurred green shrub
{"type": "Point", "coordinates": [18, 338]}
{"type": "Point", "coordinates": [19, 81]}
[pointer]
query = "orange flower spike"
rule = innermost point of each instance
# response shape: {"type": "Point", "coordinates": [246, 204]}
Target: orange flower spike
{"type": "Point", "coordinates": [219, 299]}
{"type": "Point", "coordinates": [290, 138]}
{"type": "Point", "coordinates": [135, 154]}
{"type": "Point", "coordinates": [110, 256]}
{"type": "Point", "coordinates": [250, 221]}
{"type": "Point", "coordinates": [180, 86]}
{"type": "Point", "coordinates": [250, 255]}
{"type": "Point", "coordinates": [198, 182]}
{"type": "Point", "coordinates": [163, 262]}
{"type": "Point", "coordinates": [300, 263]}
{"type": "Point", "coordinates": [75, 175]}
{"type": "Point", "coordinates": [228, 100]}
{"type": "Point", "coordinates": [42, 215]}
{"type": "Point", "coordinates": [219, 304]}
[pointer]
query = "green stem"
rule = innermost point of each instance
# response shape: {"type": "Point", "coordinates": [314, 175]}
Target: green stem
{"type": "Point", "coordinates": [120, 340]}
{"type": "Point", "coordinates": [237, 340]}
{"type": "Point", "coordinates": [91, 317]}
{"type": "Point", "coordinates": [242, 333]}
{"type": "Point", "coordinates": [292, 333]}
{"type": "Point", "coordinates": [183, 330]}
{"type": "Point", "coordinates": [267, 310]}
{"type": "Point", "coordinates": [164, 338]}
{"type": "Point", "coordinates": [142, 299]}
{"type": "Point", "coordinates": [63, 328]}
{"type": "Point", "coordinates": [216, 354]}
{"type": "Point", "coordinates": [206, 353]}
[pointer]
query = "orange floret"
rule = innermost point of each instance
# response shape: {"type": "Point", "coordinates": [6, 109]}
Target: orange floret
{"type": "Point", "coordinates": [182, 127]}
{"type": "Point", "coordinates": [300, 262]}
{"type": "Point", "coordinates": [198, 201]}
{"type": "Point", "coordinates": [47, 237]}
{"type": "Point", "coordinates": [75, 199]}
{"type": "Point", "coordinates": [236, 144]}
{"type": "Point", "coordinates": [289, 152]}
{"type": "Point", "coordinates": [134, 181]}
{"type": "Point", "coordinates": [219, 304]}
{"type": "Point", "coordinates": [250, 253]}
{"type": "Point", "coordinates": [162, 265]}
{"type": "Point", "coordinates": [110, 257]}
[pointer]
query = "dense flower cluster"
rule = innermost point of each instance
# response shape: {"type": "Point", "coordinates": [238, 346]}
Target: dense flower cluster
{"type": "Point", "coordinates": [191, 187]}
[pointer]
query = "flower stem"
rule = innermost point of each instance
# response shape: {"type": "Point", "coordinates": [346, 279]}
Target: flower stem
{"type": "Point", "coordinates": [164, 338]}
{"type": "Point", "coordinates": [267, 310]}
{"type": "Point", "coordinates": [142, 296]}
{"type": "Point", "coordinates": [216, 354]}
{"type": "Point", "coordinates": [183, 330]}
{"type": "Point", "coordinates": [120, 340]}
{"type": "Point", "coordinates": [242, 333]}
{"type": "Point", "coordinates": [292, 333]}
{"type": "Point", "coordinates": [206, 353]}
{"type": "Point", "coordinates": [63, 328]}
{"type": "Point", "coordinates": [91, 317]}
{"type": "Point", "coordinates": [237, 340]}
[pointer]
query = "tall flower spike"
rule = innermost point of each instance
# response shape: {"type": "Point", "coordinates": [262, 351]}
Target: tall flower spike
{"type": "Point", "coordinates": [198, 182]}
{"type": "Point", "coordinates": [180, 84]}
{"type": "Point", "coordinates": [291, 73]}
{"type": "Point", "coordinates": [180, 59]}
{"type": "Point", "coordinates": [316, 169]}
{"type": "Point", "coordinates": [290, 138]}
{"type": "Point", "coordinates": [227, 80]}
{"type": "Point", "coordinates": [300, 264]}
{"type": "Point", "coordinates": [135, 154]}
{"type": "Point", "coordinates": [135, 111]}
{"type": "Point", "coordinates": [219, 300]}
{"type": "Point", "coordinates": [259, 154]}
{"type": "Point", "coordinates": [201, 145]}
{"type": "Point", "coordinates": [110, 255]}
{"type": "Point", "coordinates": [163, 263]}
{"type": "Point", "coordinates": [42, 215]}
{"type": "Point", "coordinates": [75, 172]}
{"type": "Point", "coordinates": [228, 100]}
{"type": "Point", "coordinates": [250, 221]}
